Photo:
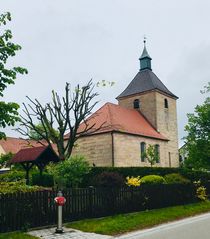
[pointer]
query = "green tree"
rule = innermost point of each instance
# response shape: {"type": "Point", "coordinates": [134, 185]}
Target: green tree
{"type": "Point", "coordinates": [4, 159]}
{"type": "Point", "coordinates": [152, 154]}
{"type": "Point", "coordinates": [70, 173]}
{"type": "Point", "coordinates": [38, 136]}
{"type": "Point", "coordinates": [8, 111]}
{"type": "Point", "coordinates": [198, 135]}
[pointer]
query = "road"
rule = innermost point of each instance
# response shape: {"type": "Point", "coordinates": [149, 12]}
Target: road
{"type": "Point", "coordinates": [191, 228]}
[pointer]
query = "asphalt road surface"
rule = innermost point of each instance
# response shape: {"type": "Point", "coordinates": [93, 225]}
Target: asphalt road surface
{"type": "Point", "coordinates": [191, 228]}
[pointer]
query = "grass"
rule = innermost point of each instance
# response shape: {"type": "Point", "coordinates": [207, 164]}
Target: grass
{"type": "Point", "coordinates": [118, 224]}
{"type": "Point", "coordinates": [16, 235]}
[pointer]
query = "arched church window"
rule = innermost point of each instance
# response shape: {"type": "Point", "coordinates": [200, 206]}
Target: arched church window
{"type": "Point", "coordinates": [166, 103]}
{"type": "Point", "coordinates": [143, 151]}
{"type": "Point", "coordinates": [136, 104]}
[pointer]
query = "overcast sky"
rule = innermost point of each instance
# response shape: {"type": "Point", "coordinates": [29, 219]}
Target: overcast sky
{"type": "Point", "coordinates": [77, 40]}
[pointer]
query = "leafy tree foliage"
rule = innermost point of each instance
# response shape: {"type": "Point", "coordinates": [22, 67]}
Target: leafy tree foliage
{"type": "Point", "coordinates": [198, 135]}
{"type": "Point", "coordinates": [4, 159]}
{"type": "Point", "coordinates": [8, 111]}
{"type": "Point", "coordinates": [152, 155]}
{"type": "Point", "coordinates": [70, 173]}
{"type": "Point", "coordinates": [36, 136]}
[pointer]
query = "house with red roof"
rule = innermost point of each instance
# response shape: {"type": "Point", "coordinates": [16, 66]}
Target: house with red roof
{"type": "Point", "coordinates": [145, 115]}
{"type": "Point", "coordinates": [13, 145]}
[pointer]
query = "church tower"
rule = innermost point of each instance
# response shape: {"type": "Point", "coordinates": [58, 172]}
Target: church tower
{"type": "Point", "coordinates": [147, 94]}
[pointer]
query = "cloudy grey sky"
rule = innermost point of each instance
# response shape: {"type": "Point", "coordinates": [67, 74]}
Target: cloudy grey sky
{"type": "Point", "coordinates": [75, 40]}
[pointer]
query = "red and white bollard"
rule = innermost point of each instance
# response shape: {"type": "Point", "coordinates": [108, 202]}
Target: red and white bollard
{"type": "Point", "coordinates": [60, 201]}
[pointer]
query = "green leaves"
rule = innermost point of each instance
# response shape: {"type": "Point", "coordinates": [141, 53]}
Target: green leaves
{"type": "Point", "coordinates": [70, 172]}
{"type": "Point", "coordinates": [4, 18]}
{"type": "Point", "coordinates": [8, 111]}
{"type": "Point", "coordinates": [198, 135]}
{"type": "Point", "coordinates": [152, 155]}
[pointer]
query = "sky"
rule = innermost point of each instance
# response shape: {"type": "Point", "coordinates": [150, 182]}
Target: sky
{"type": "Point", "coordinates": [76, 40]}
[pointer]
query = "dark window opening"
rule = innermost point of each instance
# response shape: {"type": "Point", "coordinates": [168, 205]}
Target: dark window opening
{"type": "Point", "coordinates": [143, 151]}
{"type": "Point", "coordinates": [166, 103]}
{"type": "Point", "coordinates": [136, 104]}
{"type": "Point", "coordinates": [157, 153]}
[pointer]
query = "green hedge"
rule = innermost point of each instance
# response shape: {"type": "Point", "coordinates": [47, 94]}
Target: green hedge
{"type": "Point", "coordinates": [152, 179]}
{"type": "Point", "coordinates": [45, 180]}
{"type": "Point", "coordinates": [17, 187]}
{"type": "Point", "coordinates": [12, 176]}
{"type": "Point", "coordinates": [143, 171]}
{"type": "Point", "coordinates": [176, 178]}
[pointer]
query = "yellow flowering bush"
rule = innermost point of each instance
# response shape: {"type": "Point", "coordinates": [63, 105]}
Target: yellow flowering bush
{"type": "Point", "coordinates": [133, 181]}
{"type": "Point", "coordinates": [200, 191]}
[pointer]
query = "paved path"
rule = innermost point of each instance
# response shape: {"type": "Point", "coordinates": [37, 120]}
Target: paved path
{"type": "Point", "coordinates": [68, 234]}
{"type": "Point", "coordinates": [190, 228]}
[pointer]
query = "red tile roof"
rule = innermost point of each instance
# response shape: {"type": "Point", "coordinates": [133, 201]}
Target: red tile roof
{"type": "Point", "coordinates": [117, 118]}
{"type": "Point", "coordinates": [29, 154]}
{"type": "Point", "coordinates": [13, 145]}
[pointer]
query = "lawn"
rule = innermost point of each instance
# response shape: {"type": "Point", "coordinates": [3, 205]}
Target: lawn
{"type": "Point", "coordinates": [16, 235]}
{"type": "Point", "coordinates": [122, 223]}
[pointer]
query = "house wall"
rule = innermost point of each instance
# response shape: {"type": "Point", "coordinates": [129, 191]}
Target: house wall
{"type": "Point", "coordinates": [97, 149]}
{"type": "Point", "coordinates": [1, 150]}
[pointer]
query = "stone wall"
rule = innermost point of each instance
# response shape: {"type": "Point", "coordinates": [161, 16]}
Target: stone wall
{"type": "Point", "coordinates": [97, 149]}
{"type": "Point", "coordinates": [1, 150]}
{"type": "Point", "coordinates": [167, 125]}
{"type": "Point", "coordinates": [163, 119]}
{"type": "Point", "coordinates": [127, 151]}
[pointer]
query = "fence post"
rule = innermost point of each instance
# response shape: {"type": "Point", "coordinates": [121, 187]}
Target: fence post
{"type": "Point", "coordinates": [90, 194]}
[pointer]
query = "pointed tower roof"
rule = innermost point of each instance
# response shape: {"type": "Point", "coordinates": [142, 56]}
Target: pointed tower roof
{"type": "Point", "coordinates": [145, 59]}
{"type": "Point", "coordinates": [145, 53]}
{"type": "Point", "coordinates": [145, 80]}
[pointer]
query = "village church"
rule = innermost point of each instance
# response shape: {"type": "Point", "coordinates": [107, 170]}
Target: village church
{"type": "Point", "coordinates": [145, 114]}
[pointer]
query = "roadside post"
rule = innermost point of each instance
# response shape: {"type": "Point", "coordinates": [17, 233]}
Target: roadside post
{"type": "Point", "coordinates": [60, 201]}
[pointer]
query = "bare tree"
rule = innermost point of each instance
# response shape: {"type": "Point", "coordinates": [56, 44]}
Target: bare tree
{"type": "Point", "coordinates": [63, 115]}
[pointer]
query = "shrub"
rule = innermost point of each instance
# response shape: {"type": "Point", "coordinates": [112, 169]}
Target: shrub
{"type": "Point", "coordinates": [45, 180]}
{"type": "Point", "coordinates": [12, 176]}
{"type": "Point", "coordinates": [152, 179]}
{"type": "Point", "coordinates": [108, 179]}
{"type": "Point", "coordinates": [133, 181]}
{"type": "Point", "coordinates": [143, 171]}
{"type": "Point", "coordinates": [176, 178]}
{"type": "Point", "coordinates": [201, 193]}
{"type": "Point", "coordinates": [19, 186]}
{"type": "Point", "coordinates": [70, 173]}
{"type": "Point", "coordinates": [4, 159]}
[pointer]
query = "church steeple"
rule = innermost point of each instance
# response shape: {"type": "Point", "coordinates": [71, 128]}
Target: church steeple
{"type": "Point", "coordinates": [145, 59]}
